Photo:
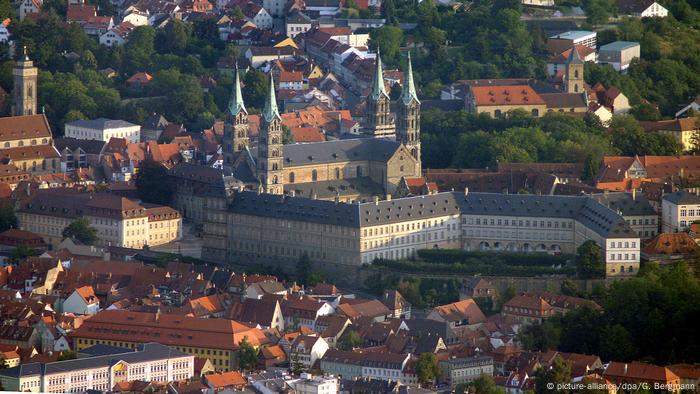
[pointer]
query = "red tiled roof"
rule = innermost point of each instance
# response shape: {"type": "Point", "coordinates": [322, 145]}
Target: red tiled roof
{"type": "Point", "coordinates": [308, 134]}
{"type": "Point", "coordinates": [506, 95]}
{"type": "Point", "coordinates": [671, 244]}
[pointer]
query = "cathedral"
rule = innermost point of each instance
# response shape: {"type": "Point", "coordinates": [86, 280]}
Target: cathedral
{"type": "Point", "coordinates": [356, 169]}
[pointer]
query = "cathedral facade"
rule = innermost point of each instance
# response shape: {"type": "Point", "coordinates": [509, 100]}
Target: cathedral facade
{"type": "Point", "coordinates": [357, 169]}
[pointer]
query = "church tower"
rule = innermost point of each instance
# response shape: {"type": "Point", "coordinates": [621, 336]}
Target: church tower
{"type": "Point", "coordinates": [270, 148]}
{"type": "Point", "coordinates": [408, 116]}
{"type": "Point", "coordinates": [378, 121]}
{"type": "Point", "coordinates": [235, 125]}
{"type": "Point", "coordinates": [24, 93]}
{"type": "Point", "coordinates": [573, 75]}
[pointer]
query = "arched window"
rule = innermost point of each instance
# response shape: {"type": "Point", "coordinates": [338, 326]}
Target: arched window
{"type": "Point", "coordinates": [535, 113]}
{"type": "Point", "coordinates": [575, 88]}
{"type": "Point", "coordinates": [314, 175]}
{"type": "Point", "coordinates": [576, 74]}
{"type": "Point", "coordinates": [291, 177]}
{"type": "Point", "coordinates": [631, 269]}
{"type": "Point", "coordinates": [7, 144]}
{"type": "Point", "coordinates": [21, 143]}
{"type": "Point", "coordinates": [274, 167]}
{"type": "Point", "coordinates": [497, 113]}
{"type": "Point", "coordinates": [337, 173]}
{"type": "Point", "coordinates": [274, 179]}
{"type": "Point", "coordinates": [29, 92]}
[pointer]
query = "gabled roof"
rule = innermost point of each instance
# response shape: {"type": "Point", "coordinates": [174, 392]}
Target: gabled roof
{"type": "Point", "coordinates": [671, 244]}
{"type": "Point", "coordinates": [506, 95]}
{"type": "Point", "coordinates": [637, 370]}
{"type": "Point", "coordinates": [24, 127]}
{"type": "Point", "coordinates": [461, 310]}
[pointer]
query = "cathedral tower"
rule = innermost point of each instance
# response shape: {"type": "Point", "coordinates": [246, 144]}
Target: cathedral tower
{"type": "Point", "coordinates": [235, 125]}
{"type": "Point", "coordinates": [378, 122]}
{"type": "Point", "coordinates": [24, 91]}
{"type": "Point", "coordinates": [270, 148]}
{"type": "Point", "coordinates": [573, 75]}
{"type": "Point", "coordinates": [408, 116]}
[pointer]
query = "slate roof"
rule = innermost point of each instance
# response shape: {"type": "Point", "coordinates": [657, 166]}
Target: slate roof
{"type": "Point", "coordinates": [584, 209]}
{"type": "Point", "coordinates": [682, 198]}
{"type": "Point", "coordinates": [637, 206]}
{"type": "Point", "coordinates": [89, 146]}
{"type": "Point", "coordinates": [374, 149]}
{"type": "Point", "coordinates": [145, 352]}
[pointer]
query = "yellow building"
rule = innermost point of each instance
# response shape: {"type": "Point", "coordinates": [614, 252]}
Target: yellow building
{"type": "Point", "coordinates": [681, 130]}
{"type": "Point", "coordinates": [215, 339]}
{"type": "Point", "coordinates": [164, 224]}
{"type": "Point", "coordinates": [118, 220]}
{"type": "Point", "coordinates": [497, 100]}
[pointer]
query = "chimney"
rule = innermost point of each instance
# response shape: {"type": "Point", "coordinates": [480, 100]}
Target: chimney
{"type": "Point", "coordinates": [466, 192]}
{"type": "Point", "coordinates": [388, 197]}
{"type": "Point", "coordinates": [314, 196]}
{"type": "Point", "coordinates": [292, 193]}
{"type": "Point", "coordinates": [634, 194]}
{"type": "Point", "coordinates": [376, 200]}
{"type": "Point", "coordinates": [625, 368]}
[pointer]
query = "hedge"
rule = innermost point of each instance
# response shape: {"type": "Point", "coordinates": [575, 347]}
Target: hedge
{"type": "Point", "coordinates": [449, 256]}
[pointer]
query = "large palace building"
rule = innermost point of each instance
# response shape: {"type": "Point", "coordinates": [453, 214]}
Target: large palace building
{"type": "Point", "coordinates": [277, 229]}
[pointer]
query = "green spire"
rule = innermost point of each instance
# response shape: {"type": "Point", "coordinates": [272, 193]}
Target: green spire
{"type": "Point", "coordinates": [409, 89]}
{"type": "Point", "coordinates": [236, 105]}
{"type": "Point", "coordinates": [378, 89]}
{"type": "Point", "coordinates": [271, 110]}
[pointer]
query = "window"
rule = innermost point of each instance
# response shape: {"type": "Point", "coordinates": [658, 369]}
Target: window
{"type": "Point", "coordinates": [359, 171]}
{"type": "Point", "coordinates": [291, 177]}
{"type": "Point", "coordinates": [337, 173]}
{"type": "Point", "coordinates": [314, 175]}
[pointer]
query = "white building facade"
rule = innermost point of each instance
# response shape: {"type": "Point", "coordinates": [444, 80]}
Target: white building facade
{"type": "Point", "coordinates": [102, 129]}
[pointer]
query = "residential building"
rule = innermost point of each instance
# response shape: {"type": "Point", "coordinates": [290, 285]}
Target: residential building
{"type": "Point", "coordinates": [118, 35]}
{"type": "Point", "coordinates": [635, 208]}
{"type": "Point", "coordinates": [667, 248]}
{"type": "Point", "coordinates": [679, 210]}
{"type": "Point", "coordinates": [147, 362]}
{"type": "Point", "coordinates": [642, 9]}
{"type": "Point", "coordinates": [102, 129]}
{"type": "Point", "coordinates": [275, 7]}
{"type": "Point", "coordinates": [136, 17]}
{"type": "Point", "coordinates": [561, 42]}
{"type": "Point", "coordinates": [694, 105]}
{"type": "Point", "coordinates": [306, 349]}
{"type": "Point", "coordinates": [636, 373]}
{"type": "Point", "coordinates": [164, 224]}
{"type": "Point", "coordinates": [29, 7]}
{"type": "Point", "coordinates": [374, 365]}
{"type": "Point", "coordinates": [681, 129]}
{"type": "Point", "coordinates": [353, 234]}
{"type": "Point", "coordinates": [215, 339]}
{"type": "Point", "coordinates": [118, 220]}
{"type": "Point", "coordinates": [461, 316]}
{"type": "Point", "coordinates": [78, 153]}
{"type": "Point", "coordinates": [297, 23]}
{"type": "Point", "coordinates": [304, 311]}
{"type": "Point", "coordinates": [528, 309]}
{"type": "Point", "coordinates": [619, 54]}
{"type": "Point", "coordinates": [309, 384]}
{"type": "Point", "coordinates": [539, 3]}
{"type": "Point", "coordinates": [398, 305]}
{"type": "Point", "coordinates": [458, 371]}
{"type": "Point", "coordinates": [82, 301]}
{"type": "Point", "coordinates": [478, 288]}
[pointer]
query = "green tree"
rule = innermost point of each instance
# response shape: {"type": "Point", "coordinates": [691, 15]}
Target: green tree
{"type": "Point", "coordinates": [8, 219]}
{"type": "Point", "coordinates": [540, 337]}
{"type": "Point", "coordinates": [152, 184]}
{"type": "Point", "coordinates": [247, 355]}
{"type": "Point", "coordinates": [548, 378]}
{"type": "Point", "coordinates": [6, 10]}
{"type": "Point", "coordinates": [173, 38]}
{"type": "Point", "coordinates": [589, 260]}
{"type": "Point", "coordinates": [303, 268]}
{"type": "Point", "coordinates": [81, 230]}
{"type": "Point", "coordinates": [590, 169]}
{"type": "Point", "coordinates": [350, 340]}
{"type": "Point", "coordinates": [68, 355]}
{"type": "Point", "coordinates": [388, 40]}
{"type": "Point", "coordinates": [616, 343]}
{"type": "Point", "coordinates": [287, 136]}
{"type": "Point", "coordinates": [138, 52]}
{"type": "Point", "coordinates": [296, 366]}
{"type": "Point", "coordinates": [485, 384]}
{"type": "Point", "coordinates": [22, 252]}
{"type": "Point", "coordinates": [427, 369]}
{"type": "Point", "coordinates": [255, 89]}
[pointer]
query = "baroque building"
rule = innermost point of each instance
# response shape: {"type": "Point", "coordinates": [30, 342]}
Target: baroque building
{"type": "Point", "coordinates": [269, 229]}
